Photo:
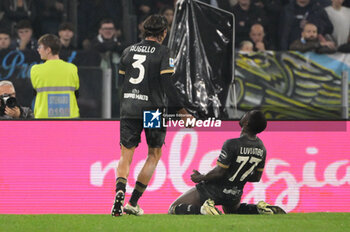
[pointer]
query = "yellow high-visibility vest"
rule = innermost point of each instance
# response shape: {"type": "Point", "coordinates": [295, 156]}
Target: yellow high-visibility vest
{"type": "Point", "coordinates": [55, 82]}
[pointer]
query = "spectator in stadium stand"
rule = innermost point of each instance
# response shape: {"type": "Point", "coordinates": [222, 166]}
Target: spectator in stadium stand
{"type": "Point", "coordinates": [107, 40]}
{"type": "Point", "coordinates": [257, 36]}
{"type": "Point", "coordinates": [246, 46]}
{"type": "Point", "coordinates": [140, 28]}
{"type": "Point", "coordinates": [143, 8]}
{"type": "Point", "coordinates": [325, 3]}
{"type": "Point", "coordinates": [340, 17]}
{"type": "Point", "coordinates": [235, 166]}
{"type": "Point", "coordinates": [55, 82]}
{"type": "Point", "coordinates": [222, 4]}
{"type": "Point", "coordinates": [14, 111]}
{"type": "Point", "coordinates": [66, 33]}
{"type": "Point", "coordinates": [310, 41]}
{"type": "Point", "coordinates": [294, 17]}
{"type": "Point", "coordinates": [25, 39]}
{"type": "Point", "coordinates": [272, 9]}
{"type": "Point", "coordinates": [168, 13]}
{"type": "Point", "coordinates": [146, 69]}
{"type": "Point", "coordinates": [91, 13]}
{"type": "Point", "coordinates": [246, 14]}
{"type": "Point", "coordinates": [5, 23]}
{"type": "Point", "coordinates": [345, 48]}
{"type": "Point", "coordinates": [5, 40]}
{"type": "Point", "coordinates": [17, 10]}
{"type": "Point", "coordinates": [51, 15]}
{"type": "Point", "coordinates": [107, 44]}
{"type": "Point", "coordinates": [163, 3]}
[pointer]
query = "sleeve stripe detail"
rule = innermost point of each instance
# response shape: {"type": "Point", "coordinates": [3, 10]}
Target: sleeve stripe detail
{"type": "Point", "coordinates": [167, 71]}
{"type": "Point", "coordinates": [260, 169]}
{"type": "Point", "coordinates": [222, 165]}
{"type": "Point", "coordinates": [121, 72]}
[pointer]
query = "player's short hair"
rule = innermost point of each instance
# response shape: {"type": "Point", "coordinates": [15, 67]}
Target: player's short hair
{"type": "Point", "coordinates": [257, 121]}
{"type": "Point", "coordinates": [51, 41]}
{"type": "Point", "coordinates": [154, 26]}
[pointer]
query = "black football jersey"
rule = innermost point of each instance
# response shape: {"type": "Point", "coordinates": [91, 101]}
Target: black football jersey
{"type": "Point", "coordinates": [242, 157]}
{"type": "Point", "coordinates": [142, 65]}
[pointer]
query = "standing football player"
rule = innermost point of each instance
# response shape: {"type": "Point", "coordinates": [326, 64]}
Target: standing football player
{"type": "Point", "coordinates": [146, 69]}
{"type": "Point", "coordinates": [241, 160]}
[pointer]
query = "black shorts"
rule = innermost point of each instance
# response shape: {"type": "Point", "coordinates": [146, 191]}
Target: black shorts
{"type": "Point", "coordinates": [216, 193]}
{"type": "Point", "coordinates": [130, 134]}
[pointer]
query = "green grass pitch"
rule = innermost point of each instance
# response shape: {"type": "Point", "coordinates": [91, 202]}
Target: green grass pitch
{"type": "Point", "coordinates": [293, 222]}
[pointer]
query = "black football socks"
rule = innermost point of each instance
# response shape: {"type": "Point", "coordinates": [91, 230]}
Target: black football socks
{"type": "Point", "coordinates": [137, 193]}
{"type": "Point", "coordinates": [121, 184]}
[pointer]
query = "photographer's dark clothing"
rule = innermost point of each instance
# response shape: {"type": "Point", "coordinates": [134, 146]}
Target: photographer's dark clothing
{"type": "Point", "coordinates": [26, 113]}
{"type": "Point", "coordinates": [145, 67]}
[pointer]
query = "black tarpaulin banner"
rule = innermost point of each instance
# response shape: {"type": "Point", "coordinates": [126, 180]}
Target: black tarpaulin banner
{"type": "Point", "coordinates": [201, 40]}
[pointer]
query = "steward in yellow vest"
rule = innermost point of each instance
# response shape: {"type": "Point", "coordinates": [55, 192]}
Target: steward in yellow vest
{"type": "Point", "coordinates": [56, 82]}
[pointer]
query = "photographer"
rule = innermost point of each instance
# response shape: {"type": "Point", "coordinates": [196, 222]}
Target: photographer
{"type": "Point", "coordinates": [9, 108]}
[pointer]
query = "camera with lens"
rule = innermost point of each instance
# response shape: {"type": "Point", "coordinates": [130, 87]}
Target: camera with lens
{"type": "Point", "coordinates": [7, 100]}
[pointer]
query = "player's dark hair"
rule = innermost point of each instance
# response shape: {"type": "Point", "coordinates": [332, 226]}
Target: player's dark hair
{"type": "Point", "coordinates": [257, 121]}
{"type": "Point", "coordinates": [154, 26]}
{"type": "Point", "coordinates": [51, 41]}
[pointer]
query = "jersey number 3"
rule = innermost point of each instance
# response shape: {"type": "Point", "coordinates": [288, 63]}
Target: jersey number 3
{"type": "Point", "coordinates": [138, 64]}
{"type": "Point", "coordinates": [243, 160]}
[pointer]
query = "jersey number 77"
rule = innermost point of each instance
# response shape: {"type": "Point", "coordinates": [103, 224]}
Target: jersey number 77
{"type": "Point", "coordinates": [243, 160]}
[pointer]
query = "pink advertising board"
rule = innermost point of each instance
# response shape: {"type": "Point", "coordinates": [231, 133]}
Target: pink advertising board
{"type": "Point", "coordinates": [68, 167]}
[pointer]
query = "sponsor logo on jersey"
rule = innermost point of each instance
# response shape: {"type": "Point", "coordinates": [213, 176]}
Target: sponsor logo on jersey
{"type": "Point", "coordinates": [171, 62]}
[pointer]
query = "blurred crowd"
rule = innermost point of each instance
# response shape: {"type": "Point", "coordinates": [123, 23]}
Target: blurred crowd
{"type": "Point", "coordinates": [98, 25]}
{"type": "Point", "coordinates": [305, 25]}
